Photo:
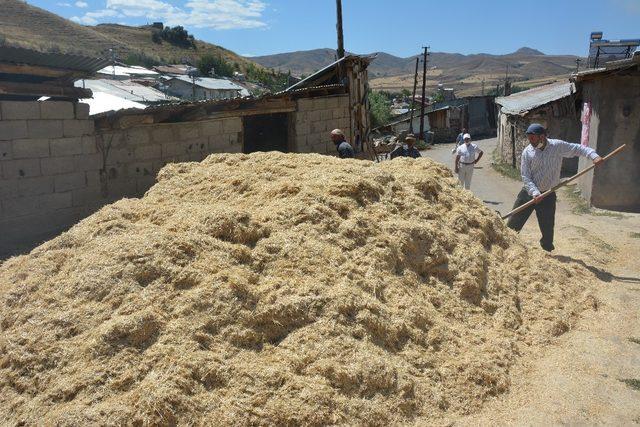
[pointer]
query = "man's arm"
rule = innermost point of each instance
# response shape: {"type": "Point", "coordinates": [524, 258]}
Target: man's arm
{"type": "Point", "coordinates": [479, 157]}
{"type": "Point", "coordinates": [527, 179]}
{"type": "Point", "coordinates": [568, 149]}
{"type": "Point", "coordinates": [457, 166]}
{"type": "Point", "coordinates": [395, 153]}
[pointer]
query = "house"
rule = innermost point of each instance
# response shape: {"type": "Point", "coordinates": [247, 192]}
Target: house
{"type": "Point", "coordinates": [203, 88]}
{"type": "Point", "coordinates": [553, 106]}
{"type": "Point", "coordinates": [175, 69]}
{"type": "Point", "coordinates": [610, 100]}
{"type": "Point", "coordinates": [474, 113]}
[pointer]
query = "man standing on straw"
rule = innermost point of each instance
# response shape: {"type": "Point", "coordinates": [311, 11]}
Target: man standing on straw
{"type": "Point", "coordinates": [540, 169]}
{"type": "Point", "coordinates": [466, 159]}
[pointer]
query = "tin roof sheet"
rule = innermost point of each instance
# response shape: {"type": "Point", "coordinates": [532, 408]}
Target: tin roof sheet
{"type": "Point", "coordinates": [18, 55]}
{"type": "Point", "coordinates": [209, 82]}
{"type": "Point", "coordinates": [521, 102]}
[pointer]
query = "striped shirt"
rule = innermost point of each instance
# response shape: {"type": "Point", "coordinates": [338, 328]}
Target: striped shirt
{"type": "Point", "coordinates": [541, 168]}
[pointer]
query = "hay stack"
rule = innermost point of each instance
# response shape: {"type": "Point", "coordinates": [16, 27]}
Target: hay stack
{"type": "Point", "coordinates": [277, 289]}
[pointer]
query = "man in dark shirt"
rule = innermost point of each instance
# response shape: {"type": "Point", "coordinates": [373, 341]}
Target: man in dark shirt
{"type": "Point", "coordinates": [406, 151]}
{"type": "Point", "coordinates": [345, 150]}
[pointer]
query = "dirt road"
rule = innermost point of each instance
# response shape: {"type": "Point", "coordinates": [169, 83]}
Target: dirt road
{"type": "Point", "coordinates": [591, 375]}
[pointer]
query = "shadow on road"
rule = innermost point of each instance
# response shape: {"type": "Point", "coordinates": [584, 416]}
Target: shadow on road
{"type": "Point", "coordinates": [601, 274]}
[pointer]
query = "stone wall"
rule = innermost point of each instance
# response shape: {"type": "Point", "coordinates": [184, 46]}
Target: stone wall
{"type": "Point", "coordinates": [315, 118]}
{"type": "Point", "coordinates": [559, 118]}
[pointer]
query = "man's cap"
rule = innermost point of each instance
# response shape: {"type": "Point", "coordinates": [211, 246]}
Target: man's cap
{"type": "Point", "coordinates": [536, 129]}
{"type": "Point", "coordinates": [337, 132]}
{"type": "Point", "coordinates": [466, 136]}
{"type": "Point", "coordinates": [410, 137]}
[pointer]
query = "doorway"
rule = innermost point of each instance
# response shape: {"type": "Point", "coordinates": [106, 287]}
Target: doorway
{"type": "Point", "coordinates": [266, 132]}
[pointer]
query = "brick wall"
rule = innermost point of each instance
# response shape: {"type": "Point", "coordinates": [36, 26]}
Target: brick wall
{"type": "Point", "coordinates": [315, 118]}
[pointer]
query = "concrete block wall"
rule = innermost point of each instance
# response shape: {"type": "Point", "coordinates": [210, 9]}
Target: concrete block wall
{"type": "Point", "coordinates": [55, 169]}
{"type": "Point", "coordinates": [45, 154]}
{"type": "Point", "coordinates": [315, 118]}
{"type": "Point", "coordinates": [133, 157]}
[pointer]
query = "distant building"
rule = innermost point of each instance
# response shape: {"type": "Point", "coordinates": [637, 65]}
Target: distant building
{"type": "Point", "coordinates": [175, 69]}
{"type": "Point", "coordinates": [611, 117]}
{"type": "Point", "coordinates": [123, 72]}
{"type": "Point", "coordinates": [551, 105]}
{"type": "Point", "coordinates": [203, 88]}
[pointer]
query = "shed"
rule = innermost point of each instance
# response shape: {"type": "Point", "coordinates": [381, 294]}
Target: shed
{"type": "Point", "coordinates": [553, 106]}
{"type": "Point", "coordinates": [610, 118]}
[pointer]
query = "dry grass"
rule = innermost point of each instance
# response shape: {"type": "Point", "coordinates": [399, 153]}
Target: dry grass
{"type": "Point", "coordinates": [278, 289]}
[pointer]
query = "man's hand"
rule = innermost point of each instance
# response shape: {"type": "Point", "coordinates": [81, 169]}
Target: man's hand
{"type": "Point", "coordinates": [537, 199]}
{"type": "Point", "coordinates": [457, 169]}
{"type": "Point", "coordinates": [597, 160]}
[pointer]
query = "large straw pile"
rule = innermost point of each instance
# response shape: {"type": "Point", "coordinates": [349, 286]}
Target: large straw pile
{"type": "Point", "coordinates": [277, 289]}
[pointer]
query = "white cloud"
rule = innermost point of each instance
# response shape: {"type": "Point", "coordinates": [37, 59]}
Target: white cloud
{"type": "Point", "coordinates": [92, 18]}
{"type": "Point", "coordinates": [215, 14]}
{"type": "Point", "coordinates": [82, 4]}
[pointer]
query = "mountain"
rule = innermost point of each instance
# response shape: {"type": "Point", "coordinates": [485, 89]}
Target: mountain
{"type": "Point", "coordinates": [463, 72]}
{"type": "Point", "coordinates": [527, 51]}
{"type": "Point", "coordinates": [28, 26]}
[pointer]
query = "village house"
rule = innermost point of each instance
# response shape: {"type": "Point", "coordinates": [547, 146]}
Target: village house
{"type": "Point", "coordinates": [203, 88]}
{"type": "Point", "coordinates": [553, 106]}
{"type": "Point", "coordinates": [610, 118]}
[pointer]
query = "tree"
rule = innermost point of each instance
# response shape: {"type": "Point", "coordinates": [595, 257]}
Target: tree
{"type": "Point", "coordinates": [380, 109]}
{"type": "Point", "coordinates": [220, 67]}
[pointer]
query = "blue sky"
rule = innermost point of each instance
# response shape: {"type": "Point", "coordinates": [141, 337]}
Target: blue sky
{"type": "Point", "coordinates": [399, 27]}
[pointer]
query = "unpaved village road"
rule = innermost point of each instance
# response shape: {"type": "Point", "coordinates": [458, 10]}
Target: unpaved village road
{"type": "Point", "coordinates": [586, 377]}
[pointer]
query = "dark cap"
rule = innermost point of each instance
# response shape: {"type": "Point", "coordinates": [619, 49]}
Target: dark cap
{"type": "Point", "coordinates": [536, 129]}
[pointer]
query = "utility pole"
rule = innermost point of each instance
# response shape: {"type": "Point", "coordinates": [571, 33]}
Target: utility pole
{"type": "Point", "coordinates": [507, 83]}
{"type": "Point", "coordinates": [413, 97]}
{"type": "Point", "coordinates": [339, 29]}
{"type": "Point", "coordinates": [483, 87]}
{"type": "Point", "coordinates": [424, 85]}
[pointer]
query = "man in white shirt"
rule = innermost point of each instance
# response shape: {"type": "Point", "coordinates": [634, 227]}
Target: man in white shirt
{"type": "Point", "coordinates": [465, 159]}
{"type": "Point", "coordinates": [540, 169]}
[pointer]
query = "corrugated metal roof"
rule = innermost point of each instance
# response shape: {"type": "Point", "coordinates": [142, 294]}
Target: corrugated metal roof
{"type": "Point", "coordinates": [521, 102]}
{"type": "Point", "coordinates": [209, 82]}
{"type": "Point", "coordinates": [304, 82]}
{"type": "Point", "coordinates": [18, 55]}
{"type": "Point", "coordinates": [119, 70]}
{"type": "Point", "coordinates": [103, 102]}
{"type": "Point", "coordinates": [126, 89]}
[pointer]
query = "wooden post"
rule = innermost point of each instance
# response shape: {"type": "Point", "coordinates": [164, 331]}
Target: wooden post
{"type": "Point", "coordinates": [339, 29]}
{"type": "Point", "coordinates": [413, 97]}
{"type": "Point", "coordinates": [424, 84]}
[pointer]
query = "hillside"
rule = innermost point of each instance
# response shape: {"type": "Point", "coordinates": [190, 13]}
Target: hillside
{"type": "Point", "coordinates": [463, 72]}
{"type": "Point", "coordinates": [28, 26]}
